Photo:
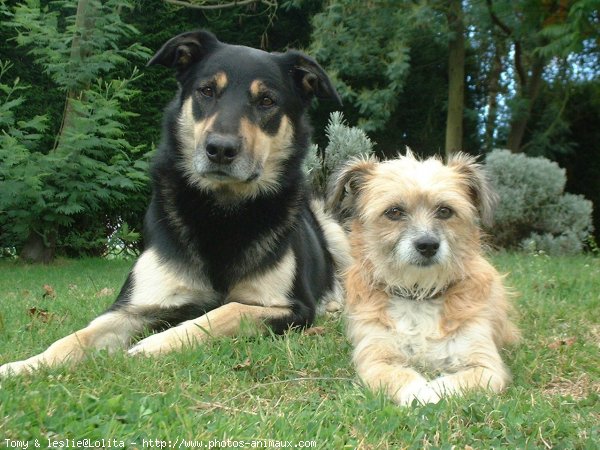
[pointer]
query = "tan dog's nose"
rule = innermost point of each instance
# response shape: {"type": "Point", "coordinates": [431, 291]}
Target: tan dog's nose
{"type": "Point", "coordinates": [427, 246]}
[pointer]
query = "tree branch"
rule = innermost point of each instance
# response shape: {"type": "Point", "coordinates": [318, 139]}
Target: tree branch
{"type": "Point", "coordinates": [519, 65]}
{"type": "Point", "coordinates": [216, 6]}
{"type": "Point", "coordinates": [509, 33]}
{"type": "Point", "coordinates": [496, 20]}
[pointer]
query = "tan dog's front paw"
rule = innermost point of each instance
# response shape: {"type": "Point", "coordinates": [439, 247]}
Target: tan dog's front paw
{"type": "Point", "coordinates": [444, 386]}
{"type": "Point", "coordinates": [419, 390]}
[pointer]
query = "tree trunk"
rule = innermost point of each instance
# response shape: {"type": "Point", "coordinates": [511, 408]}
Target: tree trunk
{"type": "Point", "coordinates": [456, 79]}
{"type": "Point", "coordinates": [493, 86]}
{"type": "Point", "coordinates": [520, 117]}
{"type": "Point", "coordinates": [84, 21]}
{"type": "Point", "coordinates": [37, 249]}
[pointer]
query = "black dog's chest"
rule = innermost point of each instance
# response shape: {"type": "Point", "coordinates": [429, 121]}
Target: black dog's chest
{"type": "Point", "coordinates": [233, 242]}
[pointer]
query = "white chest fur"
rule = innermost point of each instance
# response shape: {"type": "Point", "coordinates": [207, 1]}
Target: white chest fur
{"type": "Point", "coordinates": [418, 334]}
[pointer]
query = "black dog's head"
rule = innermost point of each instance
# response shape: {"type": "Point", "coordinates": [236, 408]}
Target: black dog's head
{"type": "Point", "coordinates": [240, 111]}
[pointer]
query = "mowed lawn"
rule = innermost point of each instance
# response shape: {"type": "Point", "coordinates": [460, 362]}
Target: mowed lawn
{"type": "Point", "coordinates": [295, 391]}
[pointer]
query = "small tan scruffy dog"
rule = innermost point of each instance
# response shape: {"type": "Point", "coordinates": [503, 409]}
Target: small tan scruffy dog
{"type": "Point", "coordinates": [420, 293]}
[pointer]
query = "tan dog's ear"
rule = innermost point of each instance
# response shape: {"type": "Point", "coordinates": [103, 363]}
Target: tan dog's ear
{"type": "Point", "coordinates": [347, 183]}
{"type": "Point", "coordinates": [482, 195]}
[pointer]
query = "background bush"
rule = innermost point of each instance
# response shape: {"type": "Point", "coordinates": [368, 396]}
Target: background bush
{"type": "Point", "coordinates": [73, 190]}
{"type": "Point", "coordinates": [410, 63]}
{"type": "Point", "coordinates": [534, 211]}
{"type": "Point", "coordinates": [344, 143]}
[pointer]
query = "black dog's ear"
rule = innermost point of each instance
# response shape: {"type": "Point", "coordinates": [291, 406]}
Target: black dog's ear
{"type": "Point", "coordinates": [482, 195]}
{"type": "Point", "coordinates": [309, 76]}
{"type": "Point", "coordinates": [185, 49]}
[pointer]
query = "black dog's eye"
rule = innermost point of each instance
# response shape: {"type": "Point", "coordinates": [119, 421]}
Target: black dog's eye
{"type": "Point", "coordinates": [207, 91]}
{"type": "Point", "coordinates": [444, 213]}
{"type": "Point", "coordinates": [395, 213]}
{"type": "Point", "coordinates": [266, 101]}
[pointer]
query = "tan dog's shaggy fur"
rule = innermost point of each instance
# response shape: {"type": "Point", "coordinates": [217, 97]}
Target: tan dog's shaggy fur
{"type": "Point", "coordinates": [420, 293]}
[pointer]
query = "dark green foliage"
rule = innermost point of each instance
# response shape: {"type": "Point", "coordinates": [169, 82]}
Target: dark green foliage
{"type": "Point", "coordinates": [367, 52]}
{"type": "Point", "coordinates": [92, 172]}
{"type": "Point", "coordinates": [17, 140]}
{"type": "Point", "coordinates": [74, 182]}
{"type": "Point", "coordinates": [583, 163]}
{"type": "Point", "coordinates": [390, 65]}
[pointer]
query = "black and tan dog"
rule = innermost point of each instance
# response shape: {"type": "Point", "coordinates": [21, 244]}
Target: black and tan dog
{"type": "Point", "coordinates": [231, 232]}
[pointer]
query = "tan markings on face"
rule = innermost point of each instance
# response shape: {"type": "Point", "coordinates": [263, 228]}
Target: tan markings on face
{"type": "Point", "coordinates": [221, 81]}
{"type": "Point", "coordinates": [257, 87]}
{"type": "Point", "coordinates": [185, 123]}
{"type": "Point", "coordinates": [202, 128]}
{"type": "Point", "coordinates": [268, 151]}
{"type": "Point", "coordinates": [191, 132]}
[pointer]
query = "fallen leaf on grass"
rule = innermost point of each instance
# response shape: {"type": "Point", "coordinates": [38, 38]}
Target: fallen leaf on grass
{"type": "Point", "coordinates": [41, 314]}
{"type": "Point", "coordinates": [578, 387]}
{"type": "Point", "coordinates": [566, 342]}
{"type": "Point", "coordinates": [49, 291]}
{"type": "Point", "coordinates": [213, 405]}
{"type": "Point", "coordinates": [315, 331]}
{"type": "Point", "coordinates": [243, 365]}
{"type": "Point", "coordinates": [105, 292]}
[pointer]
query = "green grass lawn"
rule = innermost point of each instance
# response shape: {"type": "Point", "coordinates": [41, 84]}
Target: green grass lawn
{"type": "Point", "coordinates": [298, 389]}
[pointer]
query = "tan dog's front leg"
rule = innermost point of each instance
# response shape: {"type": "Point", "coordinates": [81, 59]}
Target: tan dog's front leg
{"type": "Point", "coordinates": [110, 331]}
{"type": "Point", "coordinates": [400, 383]}
{"type": "Point", "coordinates": [382, 367]}
{"type": "Point", "coordinates": [458, 383]}
{"type": "Point", "coordinates": [224, 321]}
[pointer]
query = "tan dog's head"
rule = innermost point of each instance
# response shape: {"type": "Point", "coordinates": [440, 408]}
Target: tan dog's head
{"type": "Point", "coordinates": [416, 222]}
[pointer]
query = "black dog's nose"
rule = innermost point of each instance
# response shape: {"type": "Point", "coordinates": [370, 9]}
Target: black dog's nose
{"type": "Point", "coordinates": [222, 149]}
{"type": "Point", "coordinates": [427, 246]}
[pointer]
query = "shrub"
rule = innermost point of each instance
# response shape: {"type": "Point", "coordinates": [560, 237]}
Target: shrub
{"type": "Point", "coordinates": [71, 195]}
{"type": "Point", "coordinates": [345, 142]}
{"type": "Point", "coordinates": [534, 212]}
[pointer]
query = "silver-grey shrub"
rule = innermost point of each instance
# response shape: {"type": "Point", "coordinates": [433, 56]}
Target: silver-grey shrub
{"type": "Point", "coordinates": [345, 142]}
{"type": "Point", "coordinates": [534, 211]}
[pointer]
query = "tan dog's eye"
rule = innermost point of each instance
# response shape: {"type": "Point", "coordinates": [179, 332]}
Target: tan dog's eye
{"type": "Point", "coordinates": [395, 213]}
{"type": "Point", "coordinates": [444, 213]}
